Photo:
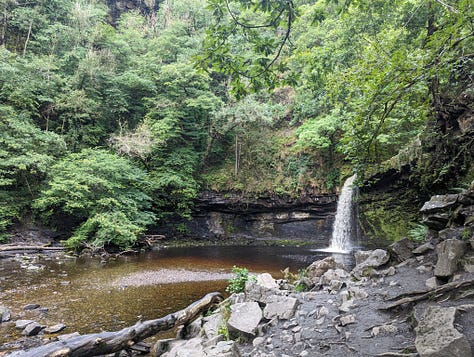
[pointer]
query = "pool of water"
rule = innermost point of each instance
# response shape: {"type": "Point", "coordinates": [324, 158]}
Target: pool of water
{"type": "Point", "coordinates": [89, 295]}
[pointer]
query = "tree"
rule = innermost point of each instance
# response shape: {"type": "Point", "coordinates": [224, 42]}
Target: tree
{"type": "Point", "coordinates": [103, 197]}
{"type": "Point", "coordinates": [26, 154]}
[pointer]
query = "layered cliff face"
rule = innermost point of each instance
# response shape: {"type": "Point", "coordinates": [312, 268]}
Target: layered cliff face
{"type": "Point", "coordinates": [227, 215]}
{"type": "Point", "coordinates": [117, 7]}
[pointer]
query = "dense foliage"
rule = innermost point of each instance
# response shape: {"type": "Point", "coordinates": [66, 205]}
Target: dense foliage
{"type": "Point", "coordinates": [106, 128]}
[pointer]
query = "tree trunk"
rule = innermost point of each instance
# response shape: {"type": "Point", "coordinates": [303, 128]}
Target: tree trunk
{"type": "Point", "coordinates": [108, 342]}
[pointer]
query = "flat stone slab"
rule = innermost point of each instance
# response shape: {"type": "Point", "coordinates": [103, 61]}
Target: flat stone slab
{"type": "Point", "coordinates": [437, 337]}
{"type": "Point", "coordinates": [21, 324]}
{"type": "Point", "coordinates": [55, 329]}
{"type": "Point", "coordinates": [32, 329]}
{"type": "Point", "coordinates": [282, 307]}
{"type": "Point", "coordinates": [245, 317]}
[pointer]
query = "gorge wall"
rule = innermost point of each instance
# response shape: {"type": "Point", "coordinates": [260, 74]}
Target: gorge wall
{"type": "Point", "coordinates": [229, 215]}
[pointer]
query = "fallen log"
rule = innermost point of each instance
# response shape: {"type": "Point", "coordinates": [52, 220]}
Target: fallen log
{"type": "Point", "coordinates": [415, 296]}
{"type": "Point", "coordinates": [9, 248]}
{"type": "Point", "coordinates": [108, 342]}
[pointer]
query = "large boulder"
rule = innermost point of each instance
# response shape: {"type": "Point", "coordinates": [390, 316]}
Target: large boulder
{"type": "Point", "coordinates": [319, 267]}
{"type": "Point", "coordinates": [212, 325]}
{"type": "Point", "coordinates": [402, 249]}
{"type": "Point", "coordinates": [436, 212]}
{"type": "Point", "coordinates": [262, 289]}
{"type": "Point", "coordinates": [368, 260]}
{"type": "Point", "coordinates": [449, 253]}
{"type": "Point", "coordinates": [244, 318]}
{"type": "Point", "coordinates": [437, 337]}
{"type": "Point", "coordinates": [282, 307]}
{"type": "Point", "coordinates": [439, 203]}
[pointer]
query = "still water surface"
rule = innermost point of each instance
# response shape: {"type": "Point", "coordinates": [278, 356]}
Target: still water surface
{"type": "Point", "coordinates": [90, 296]}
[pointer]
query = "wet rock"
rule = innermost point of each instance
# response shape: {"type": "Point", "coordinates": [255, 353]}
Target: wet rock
{"type": "Point", "coordinates": [424, 248]}
{"type": "Point", "coordinates": [31, 307]}
{"type": "Point", "coordinates": [436, 335]}
{"type": "Point", "coordinates": [368, 261]}
{"type": "Point", "coordinates": [402, 249]}
{"type": "Point", "coordinates": [282, 307]}
{"type": "Point", "coordinates": [449, 253]}
{"type": "Point", "coordinates": [5, 314]}
{"type": "Point", "coordinates": [55, 328]}
{"type": "Point", "coordinates": [319, 267]}
{"type": "Point", "coordinates": [245, 317]}
{"type": "Point", "coordinates": [21, 324]}
{"type": "Point", "coordinates": [32, 329]}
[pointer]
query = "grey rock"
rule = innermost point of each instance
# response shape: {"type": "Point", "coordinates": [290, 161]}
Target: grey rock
{"type": "Point", "coordinates": [335, 285]}
{"type": "Point", "coordinates": [255, 291]}
{"type": "Point", "coordinates": [424, 248]}
{"type": "Point", "coordinates": [213, 341]}
{"type": "Point", "coordinates": [450, 233]}
{"type": "Point", "coordinates": [373, 259]}
{"type": "Point", "coordinates": [5, 314]}
{"type": "Point", "coordinates": [334, 274]}
{"type": "Point", "coordinates": [32, 329]}
{"type": "Point", "coordinates": [347, 319]}
{"type": "Point", "coordinates": [439, 203]}
{"type": "Point", "coordinates": [257, 341]}
{"type": "Point", "coordinates": [21, 324]}
{"type": "Point", "coordinates": [55, 329]}
{"type": "Point", "coordinates": [436, 335]}
{"type": "Point", "coordinates": [402, 249]}
{"type": "Point", "coordinates": [436, 221]}
{"type": "Point", "coordinates": [185, 348]}
{"type": "Point", "coordinates": [31, 307]}
{"type": "Point", "coordinates": [282, 307]}
{"type": "Point", "coordinates": [222, 349]}
{"type": "Point", "coordinates": [212, 324]}
{"type": "Point", "coordinates": [245, 317]}
{"type": "Point", "coordinates": [267, 281]}
{"type": "Point", "coordinates": [432, 282]}
{"type": "Point", "coordinates": [319, 267]}
{"type": "Point", "coordinates": [449, 253]}
{"type": "Point", "coordinates": [383, 330]}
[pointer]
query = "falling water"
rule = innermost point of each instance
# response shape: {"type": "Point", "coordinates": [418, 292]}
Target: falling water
{"type": "Point", "coordinates": [343, 224]}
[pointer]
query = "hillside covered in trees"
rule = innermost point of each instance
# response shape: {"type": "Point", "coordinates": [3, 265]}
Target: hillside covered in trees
{"type": "Point", "coordinates": [114, 118]}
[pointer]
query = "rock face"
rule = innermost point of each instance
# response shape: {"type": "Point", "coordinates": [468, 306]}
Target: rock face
{"type": "Point", "coordinates": [437, 337]}
{"type": "Point", "coordinates": [245, 317]}
{"type": "Point", "coordinates": [449, 253]}
{"type": "Point", "coordinates": [219, 216]}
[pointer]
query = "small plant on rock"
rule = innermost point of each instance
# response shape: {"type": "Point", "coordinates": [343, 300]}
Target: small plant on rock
{"type": "Point", "coordinates": [237, 283]}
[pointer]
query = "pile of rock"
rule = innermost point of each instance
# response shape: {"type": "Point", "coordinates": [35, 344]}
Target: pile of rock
{"type": "Point", "coordinates": [450, 219]}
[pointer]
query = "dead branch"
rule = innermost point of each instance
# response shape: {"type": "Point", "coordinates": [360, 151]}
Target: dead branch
{"type": "Point", "coordinates": [427, 293]}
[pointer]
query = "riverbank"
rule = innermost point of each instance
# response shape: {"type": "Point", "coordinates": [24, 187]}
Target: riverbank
{"type": "Point", "coordinates": [388, 305]}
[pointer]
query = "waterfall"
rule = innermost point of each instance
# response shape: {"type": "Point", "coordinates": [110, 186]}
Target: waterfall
{"type": "Point", "coordinates": [343, 229]}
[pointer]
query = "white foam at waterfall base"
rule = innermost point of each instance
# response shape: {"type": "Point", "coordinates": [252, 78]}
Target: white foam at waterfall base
{"type": "Point", "coordinates": [341, 240]}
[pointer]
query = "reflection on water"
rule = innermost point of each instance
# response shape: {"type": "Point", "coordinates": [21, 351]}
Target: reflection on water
{"type": "Point", "coordinates": [81, 293]}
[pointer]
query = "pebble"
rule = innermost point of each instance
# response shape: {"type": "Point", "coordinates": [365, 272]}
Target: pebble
{"type": "Point", "coordinates": [21, 324]}
{"type": "Point", "coordinates": [31, 306]}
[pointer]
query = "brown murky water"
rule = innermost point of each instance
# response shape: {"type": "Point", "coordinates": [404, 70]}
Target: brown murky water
{"type": "Point", "coordinates": [90, 296]}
